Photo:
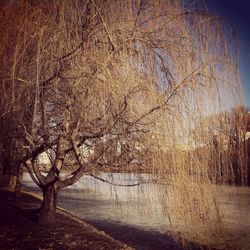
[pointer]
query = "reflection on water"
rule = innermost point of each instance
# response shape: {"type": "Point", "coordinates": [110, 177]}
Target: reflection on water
{"type": "Point", "coordinates": [99, 202]}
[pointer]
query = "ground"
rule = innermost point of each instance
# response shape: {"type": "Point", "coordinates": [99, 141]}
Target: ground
{"type": "Point", "coordinates": [19, 230]}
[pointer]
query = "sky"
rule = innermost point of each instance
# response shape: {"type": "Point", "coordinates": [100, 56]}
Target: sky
{"type": "Point", "coordinates": [237, 12]}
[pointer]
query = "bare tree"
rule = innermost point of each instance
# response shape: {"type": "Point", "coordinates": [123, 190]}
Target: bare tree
{"type": "Point", "coordinates": [104, 85]}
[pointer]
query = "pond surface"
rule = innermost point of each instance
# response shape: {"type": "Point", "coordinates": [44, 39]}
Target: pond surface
{"type": "Point", "coordinates": [123, 211]}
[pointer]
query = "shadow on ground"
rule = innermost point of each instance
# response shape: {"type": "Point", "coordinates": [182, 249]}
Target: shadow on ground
{"type": "Point", "coordinates": [19, 228]}
{"type": "Point", "coordinates": [139, 239]}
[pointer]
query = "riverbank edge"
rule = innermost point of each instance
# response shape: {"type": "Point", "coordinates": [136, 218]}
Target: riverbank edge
{"type": "Point", "coordinates": [67, 214]}
{"type": "Point", "coordinates": [75, 218]}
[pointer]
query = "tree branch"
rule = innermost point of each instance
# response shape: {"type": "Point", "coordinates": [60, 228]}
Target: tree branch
{"type": "Point", "coordinates": [117, 184]}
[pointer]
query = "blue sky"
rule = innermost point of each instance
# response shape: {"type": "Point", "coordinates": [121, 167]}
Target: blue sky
{"type": "Point", "coordinates": [237, 12]}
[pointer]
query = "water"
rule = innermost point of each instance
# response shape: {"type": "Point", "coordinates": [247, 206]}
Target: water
{"type": "Point", "coordinates": [123, 211]}
{"type": "Point", "coordinates": [93, 200]}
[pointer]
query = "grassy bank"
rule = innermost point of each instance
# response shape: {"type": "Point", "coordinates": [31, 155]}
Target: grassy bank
{"type": "Point", "coordinates": [19, 230]}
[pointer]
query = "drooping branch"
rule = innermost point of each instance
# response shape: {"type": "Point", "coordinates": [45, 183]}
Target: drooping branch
{"type": "Point", "coordinates": [29, 167]}
{"type": "Point", "coordinates": [165, 103]}
{"type": "Point", "coordinates": [37, 176]}
{"type": "Point", "coordinates": [105, 26]}
{"type": "Point", "coordinates": [117, 184]}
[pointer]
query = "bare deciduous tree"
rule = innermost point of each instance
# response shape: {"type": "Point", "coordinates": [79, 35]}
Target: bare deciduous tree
{"type": "Point", "coordinates": [118, 85]}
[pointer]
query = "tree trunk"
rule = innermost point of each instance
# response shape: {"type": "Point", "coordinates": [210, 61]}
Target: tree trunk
{"type": "Point", "coordinates": [48, 208]}
{"type": "Point", "coordinates": [19, 180]}
{"type": "Point", "coordinates": [9, 170]}
{"type": "Point", "coordinates": [9, 176]}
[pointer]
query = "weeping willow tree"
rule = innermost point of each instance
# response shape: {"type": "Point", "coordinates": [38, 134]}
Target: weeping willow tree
{"type": "Point", "coordinates": [125, 86]}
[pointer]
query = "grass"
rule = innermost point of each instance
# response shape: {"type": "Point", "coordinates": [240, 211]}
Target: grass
{"type": "Point", "coordinates": [18, 228]}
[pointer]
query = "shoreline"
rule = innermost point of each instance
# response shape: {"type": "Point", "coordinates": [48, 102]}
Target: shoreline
{"type": "Point", "coordinates": [18, 228]}
{"type": "Point", "coordinates": [107, 235]}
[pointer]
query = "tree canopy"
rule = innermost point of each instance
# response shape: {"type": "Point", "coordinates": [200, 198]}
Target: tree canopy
{"type": "Point", "coordinates": [99, 85]}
